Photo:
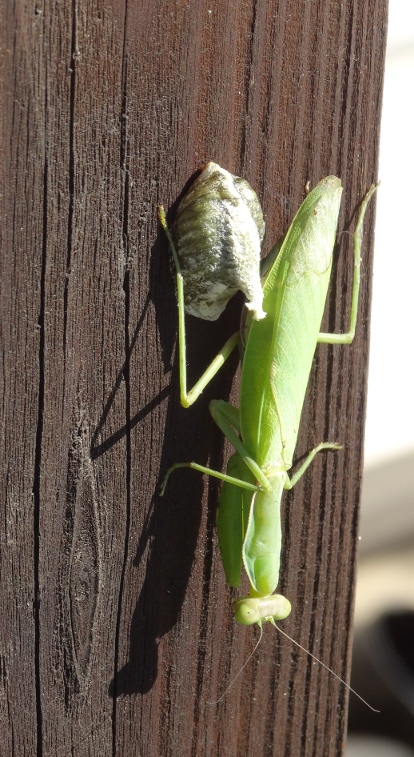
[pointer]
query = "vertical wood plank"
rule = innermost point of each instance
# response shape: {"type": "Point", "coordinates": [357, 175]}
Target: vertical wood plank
{"type": "Point", "coordinates": [22, 183]}
{"type": "Point", "coordinates": [117, 634]}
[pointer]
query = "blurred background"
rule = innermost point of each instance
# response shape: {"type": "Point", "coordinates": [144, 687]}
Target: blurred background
{"type": "Point", "coordinates": [383, 663]}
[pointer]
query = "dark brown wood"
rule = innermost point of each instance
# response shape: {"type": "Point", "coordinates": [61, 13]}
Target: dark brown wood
{"type": "Point", "coordinates": [117, 634]}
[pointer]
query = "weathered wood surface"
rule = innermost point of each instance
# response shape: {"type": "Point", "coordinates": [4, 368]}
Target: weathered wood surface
{"type": "Point", "coordinates": [116, 627]}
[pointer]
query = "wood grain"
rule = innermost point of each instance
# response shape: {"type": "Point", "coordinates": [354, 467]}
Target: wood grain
{"type": "Point", "coordinates": [117, 634]}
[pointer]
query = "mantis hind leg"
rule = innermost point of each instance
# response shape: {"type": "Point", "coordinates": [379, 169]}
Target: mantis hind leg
{"type": "Point", "coordinates": [347, 337]}
{"type": "Point", "coordinates": [187, 397]}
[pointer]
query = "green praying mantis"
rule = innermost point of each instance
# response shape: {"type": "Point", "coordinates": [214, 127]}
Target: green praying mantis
{"type": "Point", "coordinates": [277, 357]}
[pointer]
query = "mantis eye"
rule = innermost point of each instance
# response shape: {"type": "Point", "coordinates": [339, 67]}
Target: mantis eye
{"type": "Point", "coordinates": [218, 234]}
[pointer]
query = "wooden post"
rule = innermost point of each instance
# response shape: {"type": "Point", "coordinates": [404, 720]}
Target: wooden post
{"type": "Point", "coordinates": [117, 635]}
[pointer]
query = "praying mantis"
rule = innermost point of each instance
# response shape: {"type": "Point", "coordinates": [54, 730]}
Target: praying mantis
{"type": "Point", "coordinates": [276, 361]}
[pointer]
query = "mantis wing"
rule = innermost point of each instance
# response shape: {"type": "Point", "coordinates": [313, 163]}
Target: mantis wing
{"type": "Point", "coordinates": [280, 348]}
